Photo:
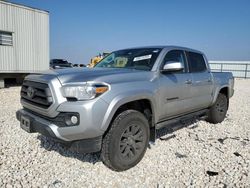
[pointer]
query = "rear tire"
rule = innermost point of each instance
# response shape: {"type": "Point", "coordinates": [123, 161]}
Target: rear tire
{"type": "Point", "coordinates": [218, 111]}
{"type": "Point", "coordinates": [126, 142]}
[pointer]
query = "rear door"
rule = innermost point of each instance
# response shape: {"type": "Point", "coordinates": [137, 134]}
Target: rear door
{"type": "Point", "coordinates": [174, 87]}
{"type": "Point", "coordinates": [202, 85]}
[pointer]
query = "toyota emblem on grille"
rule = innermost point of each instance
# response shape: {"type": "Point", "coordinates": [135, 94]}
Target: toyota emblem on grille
{"type": "Point", "coordinates": [31, 92]}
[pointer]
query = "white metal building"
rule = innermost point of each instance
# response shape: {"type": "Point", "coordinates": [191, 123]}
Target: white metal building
{"type": "Point", "coordinates": [24, 40]}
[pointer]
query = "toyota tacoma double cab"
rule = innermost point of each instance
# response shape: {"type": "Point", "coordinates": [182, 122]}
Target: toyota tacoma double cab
{"type": "Point", "coordinates": [116, 107]}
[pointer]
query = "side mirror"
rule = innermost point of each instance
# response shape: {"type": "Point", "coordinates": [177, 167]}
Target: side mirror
{"type": "Point", "coordinates": [172, 66]}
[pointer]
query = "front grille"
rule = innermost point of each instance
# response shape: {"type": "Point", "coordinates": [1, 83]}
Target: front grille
{"type": "Point", "coordinates": [37, 94]}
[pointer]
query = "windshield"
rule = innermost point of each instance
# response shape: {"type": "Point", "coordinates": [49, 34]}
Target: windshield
{"type": "Point", "coordinates": [141, 59]}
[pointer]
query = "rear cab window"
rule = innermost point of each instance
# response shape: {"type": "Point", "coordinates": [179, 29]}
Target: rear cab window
{"type": "Point", "coordinates": [196, 62]}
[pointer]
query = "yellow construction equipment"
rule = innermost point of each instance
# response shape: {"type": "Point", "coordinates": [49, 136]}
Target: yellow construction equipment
{"type": "Point", "coordinates": [96, 59]}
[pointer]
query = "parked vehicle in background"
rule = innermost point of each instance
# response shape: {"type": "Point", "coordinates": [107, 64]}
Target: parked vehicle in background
{"type": "Point", "coordinates": [59, 64]}
{"type": "Point", "coordinates": [117, 106]}
{"type": "Point", "coordinates": [82, 65]}
{"type": "Point", "coordinates": [79, 65]}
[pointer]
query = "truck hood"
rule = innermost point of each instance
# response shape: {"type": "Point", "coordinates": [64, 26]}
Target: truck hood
{"type": "Point", "coordinates": [109, 75]}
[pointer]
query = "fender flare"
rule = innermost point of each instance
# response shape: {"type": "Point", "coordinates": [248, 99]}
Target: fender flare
{"type": "Point", "coordinates": [126, 98]}
{"type": "Point", "coordinates": [217, 91]}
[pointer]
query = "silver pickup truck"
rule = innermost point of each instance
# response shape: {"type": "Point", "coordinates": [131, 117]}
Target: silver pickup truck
{"type": "Point", "coordinates": [117, 106]}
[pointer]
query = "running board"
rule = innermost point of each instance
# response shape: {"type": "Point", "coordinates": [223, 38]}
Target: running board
{"type": "Point", "coordinates": [182, 121]}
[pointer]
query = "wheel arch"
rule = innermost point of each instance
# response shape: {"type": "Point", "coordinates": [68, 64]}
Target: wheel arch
{"type": "Point", "coordinates": [224, 90]}
{"type": "Point", "coordinates": [129, 101]}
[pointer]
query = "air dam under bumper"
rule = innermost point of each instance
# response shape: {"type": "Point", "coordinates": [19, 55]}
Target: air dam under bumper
{"type": "Point", "coordinates": [40, 125]}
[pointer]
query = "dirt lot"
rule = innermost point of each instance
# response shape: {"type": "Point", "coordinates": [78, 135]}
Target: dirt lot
{"type": "Point", "coordinates": [199, 155]}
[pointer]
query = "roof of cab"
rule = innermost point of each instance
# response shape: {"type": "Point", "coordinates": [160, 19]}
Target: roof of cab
{"type": "Point", "coordinates": [168, 47]}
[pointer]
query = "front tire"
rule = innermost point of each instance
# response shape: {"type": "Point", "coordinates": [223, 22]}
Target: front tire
{"type": "Point", "coordinates": [218, 111]}
{"type": "Point", "coordinates": [126, 142]}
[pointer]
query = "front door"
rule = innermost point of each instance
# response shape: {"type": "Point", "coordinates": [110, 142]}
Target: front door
{"type": "Point", "coordinates": [174, 88]}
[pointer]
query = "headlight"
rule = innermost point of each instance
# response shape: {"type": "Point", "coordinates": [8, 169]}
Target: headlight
{"type": "Point", "coordinates": [84, 92]}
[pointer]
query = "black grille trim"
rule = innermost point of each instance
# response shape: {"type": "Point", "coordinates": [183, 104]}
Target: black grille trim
{"type": "Point", "coordinates": [42, 96]}
{"type": "Point", "coordinates": [59, 120]}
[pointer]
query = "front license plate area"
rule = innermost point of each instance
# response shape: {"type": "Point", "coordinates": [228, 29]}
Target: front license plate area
{"type": "Point", "coordinates": [25, 124]}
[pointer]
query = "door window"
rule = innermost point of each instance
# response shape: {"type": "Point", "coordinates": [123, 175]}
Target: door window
{"type": "Point", "coordinates": [175, 56]}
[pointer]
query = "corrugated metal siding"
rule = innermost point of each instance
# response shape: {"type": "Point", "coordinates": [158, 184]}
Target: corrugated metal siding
{"type": "Point", "coordinates": [30, 50]}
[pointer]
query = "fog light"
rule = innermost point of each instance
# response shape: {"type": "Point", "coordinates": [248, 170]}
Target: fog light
{"type": "Point", "coordinates": [74, 119]}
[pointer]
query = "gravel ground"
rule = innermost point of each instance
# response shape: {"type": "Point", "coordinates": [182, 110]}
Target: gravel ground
{"type": "Point", "coordinates": [201, 155]}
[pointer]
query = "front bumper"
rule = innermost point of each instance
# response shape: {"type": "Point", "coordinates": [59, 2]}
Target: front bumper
{"type": "Point", "coordinates": [46, 128]}
{"type": "Point", "coordinates": [90, 113]}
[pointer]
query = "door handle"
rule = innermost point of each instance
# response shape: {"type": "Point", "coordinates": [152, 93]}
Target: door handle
{"type": "Point", "coordinates": [188, 81]}
{"type": "Point", "coordinates": [209, 80]}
